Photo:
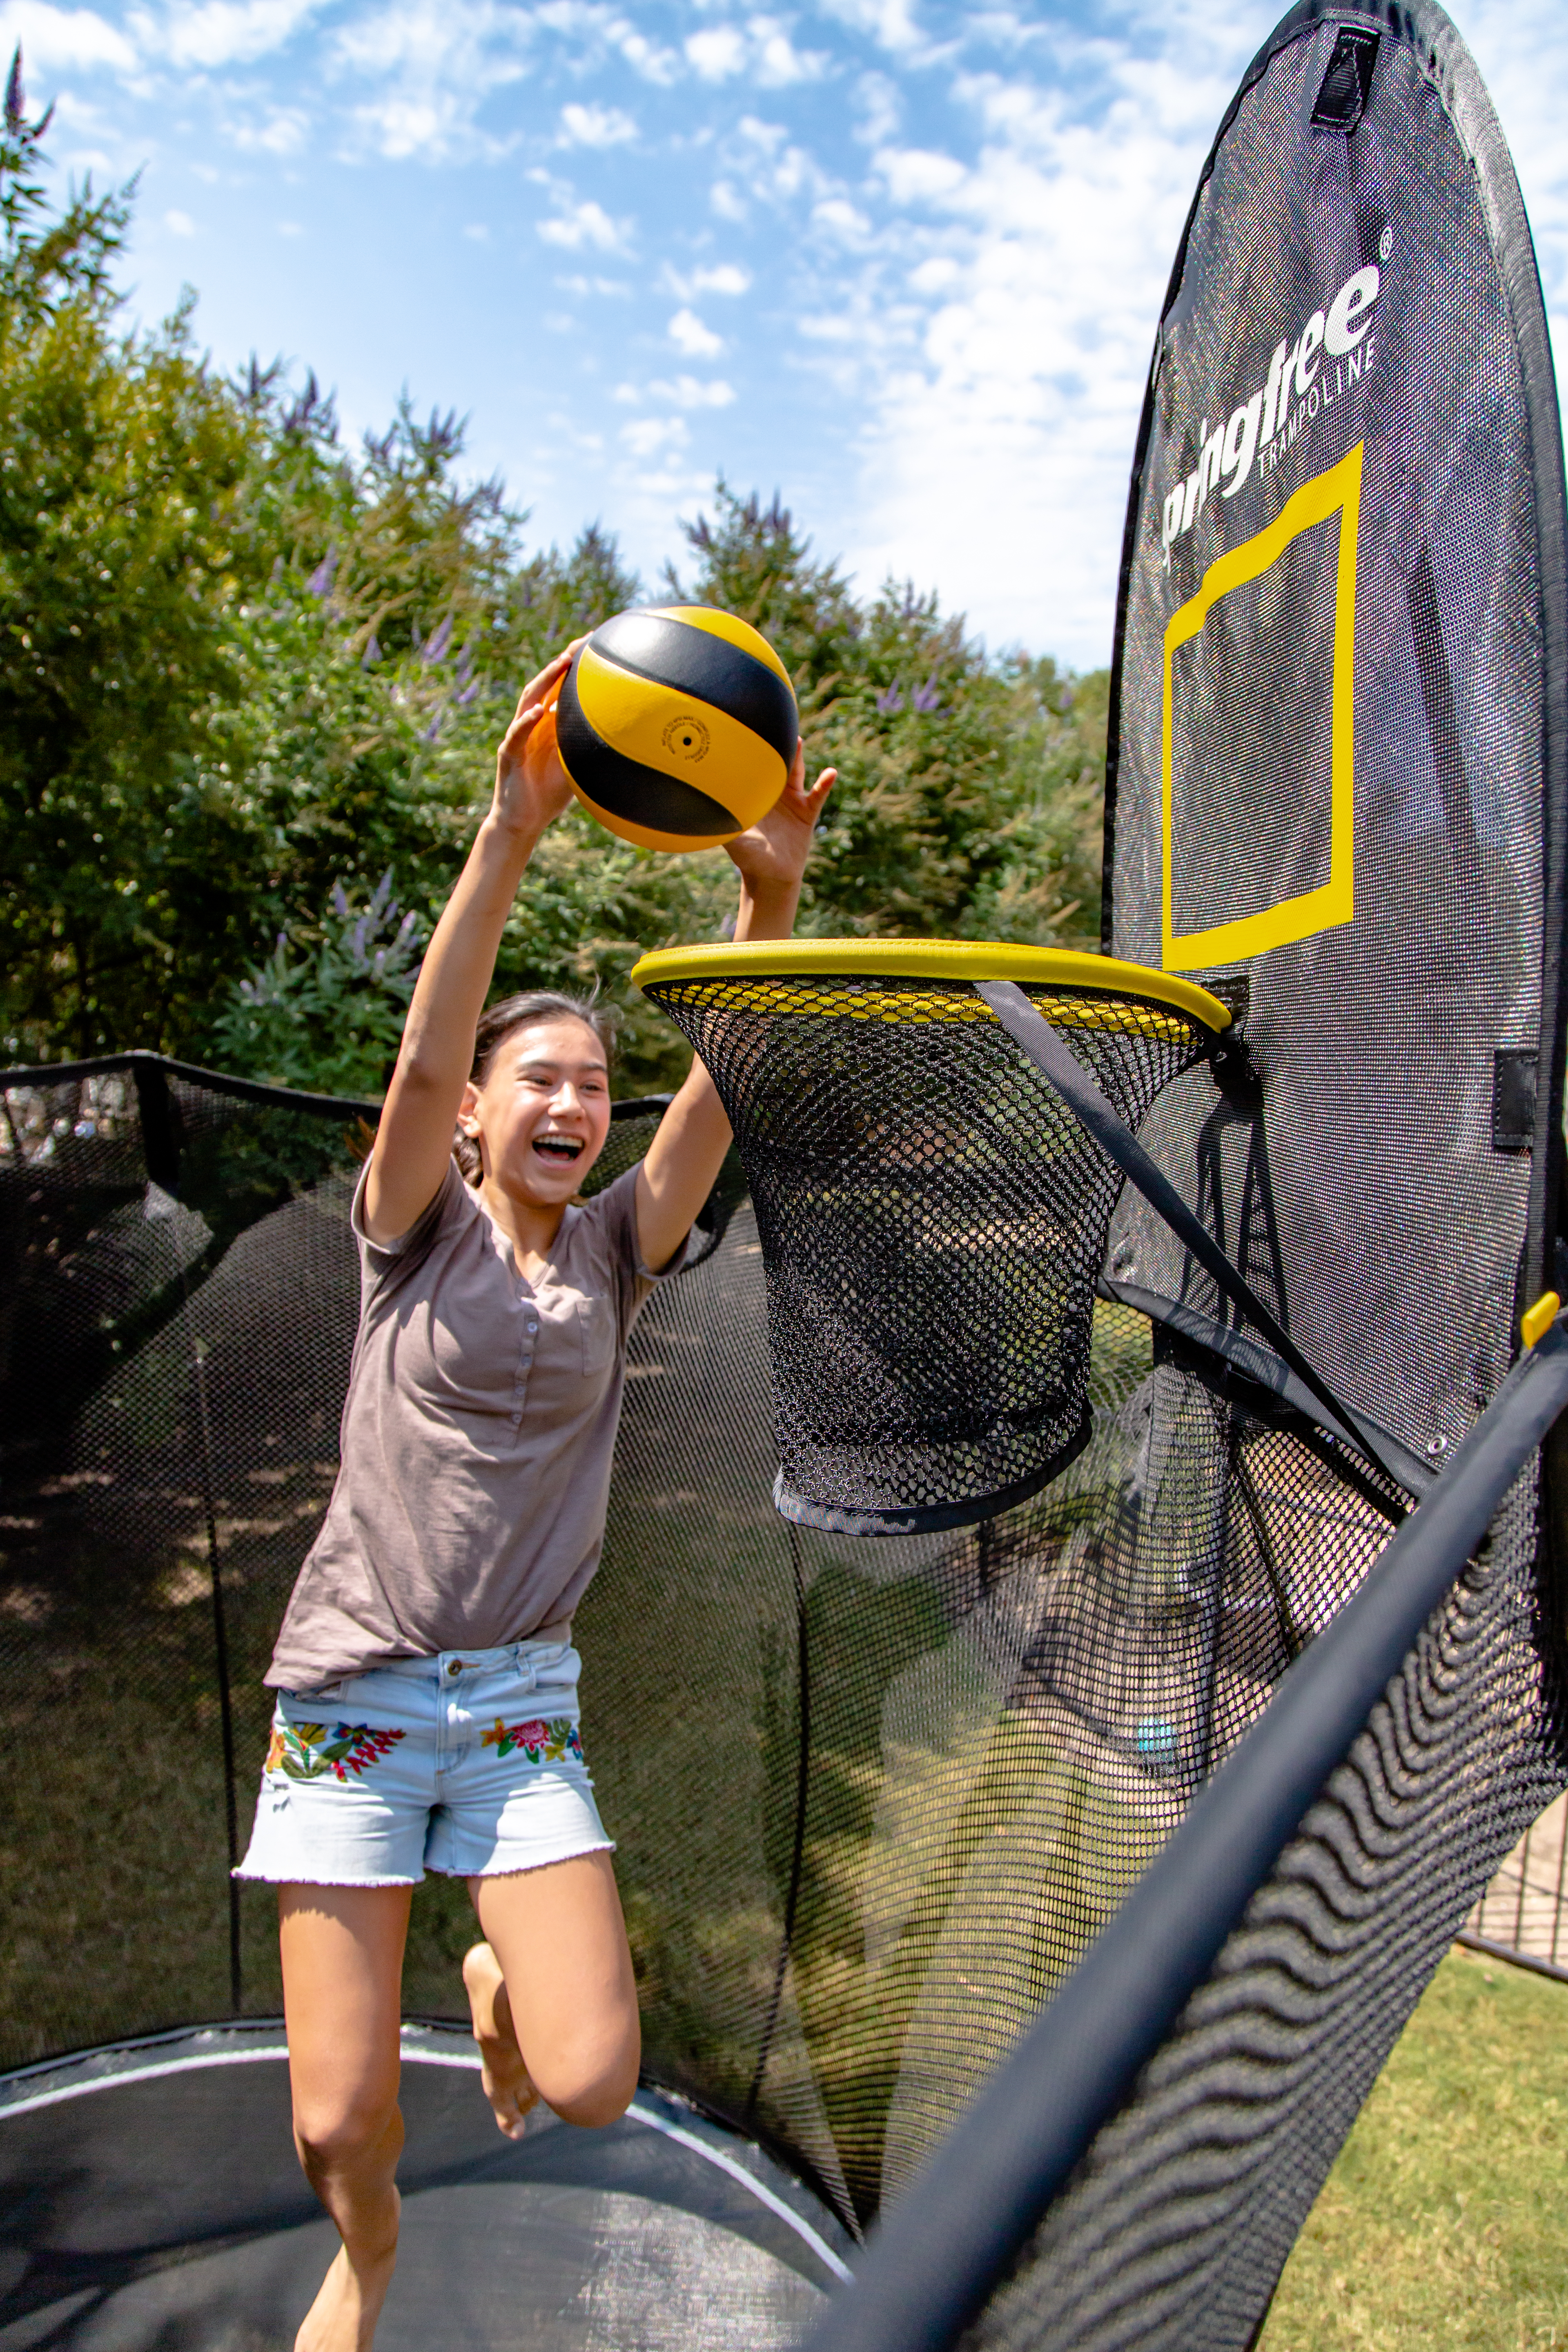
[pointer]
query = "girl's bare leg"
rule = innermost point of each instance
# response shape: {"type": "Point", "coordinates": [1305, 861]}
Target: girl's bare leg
{"type": "Point", "coordinates": [553, 1999]}
{"type": "Point", "coordinates": [342, 1984]}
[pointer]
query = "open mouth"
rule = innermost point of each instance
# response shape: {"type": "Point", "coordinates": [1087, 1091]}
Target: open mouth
{"type": "Point", "coordinates": [562, 1148]}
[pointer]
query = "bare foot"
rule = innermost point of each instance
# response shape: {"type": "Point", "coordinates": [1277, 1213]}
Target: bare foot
{"type": "Point", "coordinates": [501, 2070]}
{"type": "Point", "coordinates": [342, 2318]}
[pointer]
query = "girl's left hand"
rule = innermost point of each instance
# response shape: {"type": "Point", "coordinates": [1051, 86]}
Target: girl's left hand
{"type": "Point", "coordinates": [532, 785]}
{"type": "Point", "coordinates": [771, 853]}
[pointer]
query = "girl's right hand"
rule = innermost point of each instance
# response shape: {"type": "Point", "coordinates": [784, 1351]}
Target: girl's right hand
{"type": "Point", "coordinates": [532, 785]}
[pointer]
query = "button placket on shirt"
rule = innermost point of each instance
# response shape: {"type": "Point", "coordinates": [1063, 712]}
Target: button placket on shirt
{"type": "Point", "coordinates": [527, 1341]}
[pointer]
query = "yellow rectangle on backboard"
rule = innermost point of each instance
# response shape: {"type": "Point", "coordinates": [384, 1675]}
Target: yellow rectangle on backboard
{"type": "Point", "coordinates": [1337, 492]}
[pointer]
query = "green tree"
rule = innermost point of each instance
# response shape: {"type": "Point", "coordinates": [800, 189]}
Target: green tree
{"type": "Point", "coordinates": [250, 679]}
{"type": "Point", "coordinates": [119, 576]}
{"type": "Point", "coordinates": [326, 1012]}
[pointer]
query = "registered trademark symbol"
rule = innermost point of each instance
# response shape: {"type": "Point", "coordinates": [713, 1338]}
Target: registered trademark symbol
{"type": "Point", "coordinates": [1385, 245]}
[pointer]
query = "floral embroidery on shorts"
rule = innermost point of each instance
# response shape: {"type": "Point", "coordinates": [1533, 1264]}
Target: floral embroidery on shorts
{"type": "Point", "coordinates": [540, 1742]}
{"type": "Point", "coordinates": [304, 1751]}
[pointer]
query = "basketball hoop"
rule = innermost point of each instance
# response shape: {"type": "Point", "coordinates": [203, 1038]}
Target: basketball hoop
{"type": "Point", "coordinates": [932, 1216]}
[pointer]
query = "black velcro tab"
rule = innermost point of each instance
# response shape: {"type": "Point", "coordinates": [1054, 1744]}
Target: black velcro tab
{"type": "Point", "coordinates": [699, 662]}
{"type": "Point", "coordinates": [1341, 100]}
{"type": "Point", "coordinates": [1234, 989]}
{"type": "Point", "coordinates": [644, 796]}
{"type": "Point", "coordinates": [1513, 1098]}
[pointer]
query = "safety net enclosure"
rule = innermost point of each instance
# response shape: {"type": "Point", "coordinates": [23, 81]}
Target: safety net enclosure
{"type": "Point", "coordinates": [875, 1800]}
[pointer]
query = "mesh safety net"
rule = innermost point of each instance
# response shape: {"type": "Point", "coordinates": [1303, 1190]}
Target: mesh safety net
{"type": "Point", "coordinates": [871, 1799]}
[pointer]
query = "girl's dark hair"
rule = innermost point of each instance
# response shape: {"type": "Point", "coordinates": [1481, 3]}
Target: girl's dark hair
{"type": "Point", "coordinates": [501, 1021]}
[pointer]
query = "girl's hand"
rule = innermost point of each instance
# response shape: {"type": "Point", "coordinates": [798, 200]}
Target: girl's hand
{"type": "Point", "coordinates": [532, 785]}
{"type": "Point", "coordinates": [771, 853]}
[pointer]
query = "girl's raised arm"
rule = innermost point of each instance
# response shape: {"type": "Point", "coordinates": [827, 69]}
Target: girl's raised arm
{"type": "Point", "coordinates": [414, 1140]}
{"type": "Point", "coordinates": [693, 1136]}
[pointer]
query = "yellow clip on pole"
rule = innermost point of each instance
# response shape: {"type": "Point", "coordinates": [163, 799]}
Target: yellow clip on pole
{"type": "Point", "coordinates": [1537, 1320]}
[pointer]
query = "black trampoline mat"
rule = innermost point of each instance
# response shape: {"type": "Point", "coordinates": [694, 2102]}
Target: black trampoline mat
{"type": "Point", "coordinates": [163, 2211]}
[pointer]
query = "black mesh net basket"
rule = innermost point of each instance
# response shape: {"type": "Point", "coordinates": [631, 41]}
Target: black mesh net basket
{"type": "Point", "coordinates": [932, 1217]}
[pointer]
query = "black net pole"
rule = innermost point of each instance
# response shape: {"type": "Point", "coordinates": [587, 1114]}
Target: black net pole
{"type": "Point", "coordinates": [953, 2237]}
{"type": "Point", "coordinates": [220, 1652]}
{"type": "Point", "coordinates": [797, 1851]}
{"type": "Point", "coordinates": [160, 1142]}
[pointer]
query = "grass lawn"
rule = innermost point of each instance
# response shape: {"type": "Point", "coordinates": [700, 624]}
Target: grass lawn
{"type": "Point", "coordinates": [1445, 2222]}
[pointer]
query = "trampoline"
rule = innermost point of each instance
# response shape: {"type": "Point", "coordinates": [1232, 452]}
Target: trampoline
{"type": "Point", "coordinates": [152, 2199]}
{"type": "Point", "coordinates": [1027, 1865]}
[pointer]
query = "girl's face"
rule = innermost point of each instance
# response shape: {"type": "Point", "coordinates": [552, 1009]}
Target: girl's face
{"type": "Point", "coordinates": [544, 1111]}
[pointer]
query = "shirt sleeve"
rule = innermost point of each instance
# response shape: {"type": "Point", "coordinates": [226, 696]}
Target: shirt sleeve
{"type": "Point", "coordinates": [452, 1205]}
{"type": "Point", "coordinates": [616, 1211]}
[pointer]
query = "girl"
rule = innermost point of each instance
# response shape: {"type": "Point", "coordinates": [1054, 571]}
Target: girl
{"type": "Point", "coordinates": [426, 1711]}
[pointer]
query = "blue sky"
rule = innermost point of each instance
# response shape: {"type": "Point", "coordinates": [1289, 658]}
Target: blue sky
{"type": "Point", "coordinates": [899, 260]}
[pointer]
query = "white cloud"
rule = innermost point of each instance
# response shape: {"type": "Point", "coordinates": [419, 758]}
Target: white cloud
{"type": "Point", "coordinates": [282, 133]}
{"type": "Point", "coordinates": [916, 175]}
{"type": "Point", "coordinates": [690, 336]}
{"type": "Point", "coordinates": [220, 32]}
{"type": "Point", "coordinates": [761, 49]}
{"type": "Point", "coordinates": [715, 277]}
{"type": "Point", "coordinates": [435, 63]}
{"type": "Point", "coordinates": [999, 406]}
{"type": "Point", "coordinates": [773, 165]}
{"type": "Point", "coordinates": [718, 53]}
{"type": "Point", "coordinates": [478, 230]}
{"type": "Point", "coordinates": [179, 224]}
{"type": "Point", "coordinates": [723, 278]}
{"type": "Point", "coordinates": [585, 224]}
{"type": "Point", "coordinates": [778, 61]}
{"type": "Point", "coordinates": [644, 435]}
{"type": "Point", "coordinates": [841, 219]}
{"type": "Point", "coordinates": [596, 126]}
{"type": "Point", "coordinates": [890, 23]}
{"type": "Point", "coordinates": [645, 58]}
{"type": "Point", "coordinates": [692, 391]}
{"type": "Point", "coordinates": [880, 105]}
{"type": "Point", "coordinates": [53, 38]}
{"type": "Point", "coordinates": [727, 202]}
{"type": "Point", "coordinates": [935, 275]}
{"type": "Point", "coordinates": [290, 229]}
{"type": "Point", "coordinates": [1522, 54]}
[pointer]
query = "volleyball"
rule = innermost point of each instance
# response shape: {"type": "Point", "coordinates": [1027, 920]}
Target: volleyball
{"type": "Point", "coordinates": [676, 725]}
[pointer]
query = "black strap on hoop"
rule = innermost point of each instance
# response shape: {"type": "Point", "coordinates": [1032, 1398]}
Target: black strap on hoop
{"type": "Point", "coordinates": [1067, 1073]}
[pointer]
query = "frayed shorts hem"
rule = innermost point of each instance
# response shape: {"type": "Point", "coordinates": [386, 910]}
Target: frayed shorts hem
{"type": "Point", "coordinates": [505, 1868]}
{"type": "Point", "coordinates": [309, 1878]}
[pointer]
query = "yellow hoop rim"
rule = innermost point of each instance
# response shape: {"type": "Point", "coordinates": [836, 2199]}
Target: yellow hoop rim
{"type": "Point", "coordinates": [960, 960]}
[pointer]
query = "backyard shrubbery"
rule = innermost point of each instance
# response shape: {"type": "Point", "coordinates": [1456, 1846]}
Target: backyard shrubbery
{"type": "Point", "coordinates": [251, 682]}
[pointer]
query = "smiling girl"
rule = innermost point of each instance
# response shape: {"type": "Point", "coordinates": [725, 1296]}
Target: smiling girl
{"type": "Point", "coordinates": [427, 1686]}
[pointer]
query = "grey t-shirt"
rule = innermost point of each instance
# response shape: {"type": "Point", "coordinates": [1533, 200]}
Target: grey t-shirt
{"type": "Point", "coordinates": [476, 1438]}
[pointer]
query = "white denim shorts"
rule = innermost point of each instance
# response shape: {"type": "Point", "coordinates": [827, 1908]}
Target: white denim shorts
{"type": "Point", "coordinates": [469, 1763]}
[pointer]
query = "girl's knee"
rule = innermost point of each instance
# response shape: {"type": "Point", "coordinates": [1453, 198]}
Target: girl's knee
{"type": "Point", "coordinates": [337, 2137]}
{"type": "Point", "coordinates": [594, 2083]}
{"type": "Point", "coordinates": [599, 2100]}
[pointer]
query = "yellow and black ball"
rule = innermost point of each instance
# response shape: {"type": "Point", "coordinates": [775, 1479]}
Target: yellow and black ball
{"type": "Point", "coordinates": [676, 725]}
